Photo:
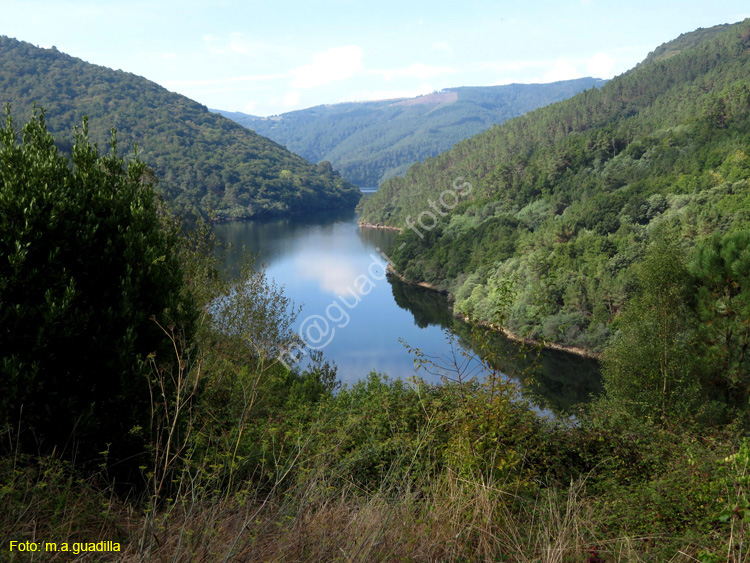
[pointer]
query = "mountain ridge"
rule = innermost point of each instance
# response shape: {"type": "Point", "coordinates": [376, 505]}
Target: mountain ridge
{"type": "Point", "coordinates": [370, 141]}
{"type": "Point", "coordinates": [567, 199]}
{"type": "Point", "coordinates": [203, 161]}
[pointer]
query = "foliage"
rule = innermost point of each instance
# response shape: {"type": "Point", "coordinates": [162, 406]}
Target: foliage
{"type": "Point", "coordinates": [88, 267]}
{"type": "Point", "coordinates": [721, 269]}
{"type": "Point", "coordinates": [569, 197]}
{"type": "Point", "coordinates": [389, 470]}
{"type": "Point", "coordinates": [202, 160]}
{"type": "Point", "coordinates": [270, 464]}
{"type": "Point", "coordinates": [650, 372]}
{"type": "Point", "coordinates": [736, 512]}
{"type": "Point", "coordinates": [253, 461]}
{"type": "Point", "coordinates": [680, 351]}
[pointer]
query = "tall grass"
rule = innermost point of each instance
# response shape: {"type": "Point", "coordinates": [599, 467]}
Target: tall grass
{"type": "Point", "coordinates": [248, 468]}
{"type": "Point", "coordinates": [320, 515]}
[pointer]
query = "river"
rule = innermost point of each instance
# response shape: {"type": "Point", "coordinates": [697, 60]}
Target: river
{"type": "Point", "coordinates": [364, 320]}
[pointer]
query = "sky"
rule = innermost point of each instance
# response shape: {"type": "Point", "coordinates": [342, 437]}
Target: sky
{"type": "Point", "coordinates": [269, 57]}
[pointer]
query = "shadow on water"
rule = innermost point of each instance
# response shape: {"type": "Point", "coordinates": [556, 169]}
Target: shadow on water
{"type": "Point", "coordinates": [555, 380]}
{"type": "Point", "coordinates": [379, 238]}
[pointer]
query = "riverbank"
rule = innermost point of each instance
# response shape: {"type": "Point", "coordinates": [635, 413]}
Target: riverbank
{"type": "Point", "coordinates": [270, 216]}
{"type": "Point", "coordinates": [375, 226]}
{"type": "Point", "coordinates": [582, 352]}
{"type": "Point", "coordinates": [394, 273]}
{"type": "Point", "coordinates": [575, 350]}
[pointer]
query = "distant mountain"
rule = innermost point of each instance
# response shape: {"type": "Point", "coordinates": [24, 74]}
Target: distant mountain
{"type": "Point", "coordinates": [201, 159]}
{"type": "Point", "coordinates": [558, 207]}
{"type": "Point", "coordinates": [369, 142]}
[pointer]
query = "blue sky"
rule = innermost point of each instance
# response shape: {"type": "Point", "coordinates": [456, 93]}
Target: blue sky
{"type": "Point", "coordinates": [266, 57]}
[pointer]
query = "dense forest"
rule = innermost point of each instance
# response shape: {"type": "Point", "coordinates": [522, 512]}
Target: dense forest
{"type": "Point", "coordinates": [146, 414]}
{"type": "Point", "coordinates": [369, 142]}
{"type": "Point", "coordinates": [203, 161]}
{"type": "Point", "coordinates": [566, 201]}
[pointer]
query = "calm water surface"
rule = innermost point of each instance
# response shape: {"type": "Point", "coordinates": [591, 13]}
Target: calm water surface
{"type": "Point", "coordinates": [358, 316]}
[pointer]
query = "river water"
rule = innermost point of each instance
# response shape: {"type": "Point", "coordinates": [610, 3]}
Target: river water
{"type": "Point", "coordinates": [365, 321]}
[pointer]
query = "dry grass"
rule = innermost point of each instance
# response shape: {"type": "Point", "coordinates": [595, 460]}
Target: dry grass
{"type": "Point", "coordinates": [450, 519]}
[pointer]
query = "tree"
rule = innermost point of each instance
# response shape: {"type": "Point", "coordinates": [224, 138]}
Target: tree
{"type": "Point", "coordinates": [650, 370]}
{"type": "Point", "coordinates": [721, 270]}
{"type": "Point", "coordinates": [87, 270]}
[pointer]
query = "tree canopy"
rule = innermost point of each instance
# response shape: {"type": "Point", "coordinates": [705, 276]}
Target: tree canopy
{"type": "Point", "coordinates": [88, 275]}
{"type": "Point", "coordinates": [202, 160]}
{"type": "Point", "coordinates": [567, 199]}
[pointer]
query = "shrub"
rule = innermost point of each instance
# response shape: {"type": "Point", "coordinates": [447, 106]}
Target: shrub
{"type": "Point", "coordinates": [87, 268]}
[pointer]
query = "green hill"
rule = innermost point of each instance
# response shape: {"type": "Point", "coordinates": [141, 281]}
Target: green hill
{"type": "Point", "coordinates": [370, 142]}
{"type": "Point", "coordinates": [201, 159]}
{"type": "Point", "coordinates": [565, 200]}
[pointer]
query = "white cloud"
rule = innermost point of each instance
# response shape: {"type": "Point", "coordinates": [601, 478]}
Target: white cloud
{"type": "Point", "coordinates": [225, 80]}
{"type": "Point", "coordinates": [253, 51]}
{"type": "Point", "coordinates": [329, 66]}
{"type": "Point", "coordinates": [563, 70]}
{"type": "Point", "coordinates": [509, 66]}
{"type": "Point", "coordinates": [290, 99]}
{"type": "Point", "coordinates": [601, 65]}
{"type": "Point", "coordinates": [238, 48]}
{"type": "Point", "coordinates": [250, 106]}
{"type": "Point", "coordinates": [169, 56]}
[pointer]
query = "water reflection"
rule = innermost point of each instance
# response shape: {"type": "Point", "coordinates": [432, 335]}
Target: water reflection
{"type": "Point", "coordinates": [318, 259]}
{"type": "Point", "coordinates": [377, 238]}
{"type": "Point", "coordinates": [274, 240]}
{"type": "Point", "coordinates": [556, 379]}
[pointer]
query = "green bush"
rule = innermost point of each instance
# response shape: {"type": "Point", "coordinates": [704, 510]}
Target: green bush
{"type": "Point", "coordinates": [88, 270]}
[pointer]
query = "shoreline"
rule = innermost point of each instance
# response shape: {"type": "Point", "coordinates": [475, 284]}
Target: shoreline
{"type": "Point", "coordinates": [390, 270]}
{"type": "Point", "coordinates": [375, 226]}
{"type": "Point", "coordinates": [575, 350]}
{"type": "Point", "coordinates": [275, 216]}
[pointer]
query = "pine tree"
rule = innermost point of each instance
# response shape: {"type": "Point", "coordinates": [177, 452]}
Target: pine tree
{"type": "Point", "coordinates": [721, 268]}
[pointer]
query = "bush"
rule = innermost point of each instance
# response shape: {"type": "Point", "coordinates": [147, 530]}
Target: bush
{"type": "Point", "coordinates": [88, 267]}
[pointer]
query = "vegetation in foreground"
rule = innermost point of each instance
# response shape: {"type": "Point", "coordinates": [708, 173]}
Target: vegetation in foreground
{"type": "Point", "coordinates": [209, 449]}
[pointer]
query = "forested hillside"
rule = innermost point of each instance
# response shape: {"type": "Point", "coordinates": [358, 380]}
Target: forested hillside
{"type": "Point", "coordinates": [202, 160]}
{"type": "Point", "coordinates": [369, 142]}
{"type": "Point", "coordinates": [566, 201]}
{"type": "Point", "coordinates": [147, 414]}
